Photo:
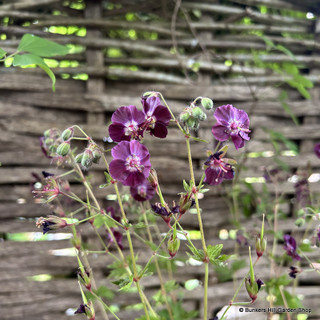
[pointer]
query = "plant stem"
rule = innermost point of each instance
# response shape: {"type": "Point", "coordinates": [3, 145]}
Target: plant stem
{"type": "Point", "coordinates": [144, 299]}
{"type": "Point", "coordinates": [105, 306]}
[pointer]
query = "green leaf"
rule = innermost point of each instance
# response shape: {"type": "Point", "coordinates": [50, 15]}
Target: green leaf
{"type": "Point", "coordinates": [198, 254]}
{"type": "Point", "coordinates": [305, 247]}
{"type": "Point", "coordinates": [30, 59]}
{"type": "Point", "coordinates": [186, 186]}
{"type": "Point", "coordinates": [304, 81]}
{"type": "Point", "coordinates": [101, 220]}
{"type": "Point", "coordinates": [41, 47]}
{"type": "Point", "coordinates": [198, 139]}
{"type": "Point", "coordinates": [124, 284]}
{"type": "Point", "coordinates": [290, 68]}
{"type": "Point", "coordinates": [214, 252]}
{"type": "Point", "coordinates": [2, 53]}
{"type": "Point", "coordinates": [286, 51]}
{"type": "Point", "coordinates": [105, 292]}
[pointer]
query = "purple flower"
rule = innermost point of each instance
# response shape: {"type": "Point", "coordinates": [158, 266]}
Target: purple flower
{"type": "Point", "coordinates": [131, 164]}
{"type": "Point", "coordinates": [317, 149]}
{"type": "Point", "coordinates": [294, 271]}
{"type": "Point", "coordinates": [302, 192]}
{"type": "Point", "coordinates": [290, 246]}
{"type": "Point", "coordinates": [126, 124]}
{"type": "Point", "coordinates": [164, 211]}
{"type": "Point", "coordinates": [231, 122]}
{"type": "Point", "coordinates": [142, 192]}
{"type": "Point", "coordinates": [157, 116]}
{"type": "Point", "coordinates": [217, 169]}
{"type": "Point", "coordinates": [51, 223]}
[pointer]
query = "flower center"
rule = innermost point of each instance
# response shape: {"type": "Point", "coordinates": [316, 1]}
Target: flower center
{"type": "Point", "coordinates": [133, 164]}
{"type": "Point", "coordinates": [130, 128]}
{"type": "Point", "coordinates": [234, 127]}
{"type": "Point", "coordinates": [142, 191]}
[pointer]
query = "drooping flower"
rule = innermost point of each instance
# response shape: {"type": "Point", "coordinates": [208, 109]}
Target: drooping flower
{"type": "Point", "coordinates": [231, 123]}
{"type": "Point", "coordinates": [50, 190]}
{"type": "Point", "coordinates": [131, 164]}
{"type": "Point", "coordinates": [51, 223]}
{"type": "Point", "coordinates": [126, 124]}
{"type": "Point", "coordinates": [290, 245]}
{"type": "Point", "coordinates": [218, 168]}
{"type": "Point", "coordinates": [253, 287]}
{"type": "Point", "coordinates": [143, 192]}
{"type": "Point", "coordinates": [294, 271]}
{"type": "Point", "coordinates": [164, 211]}
{"type": "Point", "coordinates": [157, 116]}
{"type": "Point", "coordinates": [87, 309]}
{"type": "Point", "coordinates": [317, 149]}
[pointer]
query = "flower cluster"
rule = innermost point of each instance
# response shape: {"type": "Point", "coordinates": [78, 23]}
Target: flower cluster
{"type": "Point", "coordinates": [290, 245]}
{"type": "Point", "coordinates": [129, 123]}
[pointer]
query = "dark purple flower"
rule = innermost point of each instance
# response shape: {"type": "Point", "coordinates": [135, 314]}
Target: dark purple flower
{"type": "Point", "coordinates": [294, 271]}
{"type": "Point", "coordinates": [81, 309]}
{"type": "Point", "coordinates": [241, 239]}
{"type": "Point", "coordinates": [131, 164]}
{"type": "Point", "coordinates": [126, 124]}
{"type": "Point", "coordinates": [290, 246]}
{"type": "Point", "coordinates": [51, 223]}
{"type": "Point", "coordinates": [142, 192]}
{"type": "Point", "coordinates": [164, 211]}
{"type": "Point", "coordinates": [157, 116]}
{"type": "Point", "coordinates": [317, 149]}
{"type": "Point", "coordinates": [218, 169]}
{"type": "Point", "coordinates": [231, 122]}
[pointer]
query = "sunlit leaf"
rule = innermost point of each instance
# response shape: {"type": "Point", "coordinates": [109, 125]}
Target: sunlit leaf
{"type": "Point", "coordinates": [41, 47]}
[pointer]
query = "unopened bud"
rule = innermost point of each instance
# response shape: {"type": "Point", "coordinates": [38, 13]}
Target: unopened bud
{"type": "Point", "coordinates": [173, 245]}
{"type": "Point", "coordinates": [193, 123]}
{"type": "Point", "coordinates": [207, 103]}
{"type": "Point", "coordinates": [199, 114]}
{"type": "Point", "coordinates": [184, 116]}
{"type": "Point", "coordinates": [63, 149]}
{"type": "Point", "coordinates": [78, 158]}
{"type": "Point", "coordinates": [185, 203]}
{"type": "Point", "coordinates": [96, 156]}
{"type": "Point", "coordinates": [87, 158]}
{"type": "Point", "coordinates": [300, 222]}
{"type": "Point", "coordinates": [67, 134]}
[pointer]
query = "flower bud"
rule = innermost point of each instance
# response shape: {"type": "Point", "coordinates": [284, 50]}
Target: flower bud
{"type": "Point", "coordinates": [63, 149]}
{"type": "Point", "coordinates": [184, 116]}
{"type": "Point", "coordinates": [193, 123]}
{"type": "Point", "coordinates": [67, 134]}
{"type": "Point", "coordinates": [260, 246]}
{"type": "Point", "coordinates": [207, 103]}
{"type": "Point", "coordinates": [87, 158]}
{"type": "Point", "coordinates": [78, 158]}
{"type": "Point", "coordinates": [300, 222]}
{"type": "Point", "coordinates": [199, 114]}
{"type": "Point", "coordinates": [96, 155]}
{"type": "Point", "coordinates": [173, 245]}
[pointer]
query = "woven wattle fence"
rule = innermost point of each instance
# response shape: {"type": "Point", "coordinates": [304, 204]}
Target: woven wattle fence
{"type": "Point", "coordinates": [225, 50]}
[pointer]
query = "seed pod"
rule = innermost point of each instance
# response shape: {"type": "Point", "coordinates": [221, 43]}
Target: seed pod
{"type": "Point", "coordinates": [63, 149]}
{"type": "Point", "coordinates": [207, 103]}
{"type": "Point", "coordinates": [87, 158]}
{"type": "Point", "coordinates": [173, 245]}
{"type": "Point", "coordinates": [193, 123]}
{"type": "Point", "coordinates": [67, 134]}
{"type": "Point", "coordinates": [184, 116]}
{"type": "Point", "coordinates": [78, 158]}
{"type": "Point", "coordinates": [199, 114]}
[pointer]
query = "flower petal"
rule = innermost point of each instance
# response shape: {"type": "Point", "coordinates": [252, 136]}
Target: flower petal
{"type": "Point", "coordinates": [117, 132]}
{"type": "Point", "coordinates": [160, 130]}
{"type": "Point", "coordinates": [162, 114]}
{"type": "Point", "coordinates": [219, 132]}
{"type": "Point", "coordinates": [118, 170]}
{"type": "Point", "coordinates": [237, 141]}
{"type": "Point", "coordinates": [121, 150]}
{"type": "Point", "coordinates": [224, 114]}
